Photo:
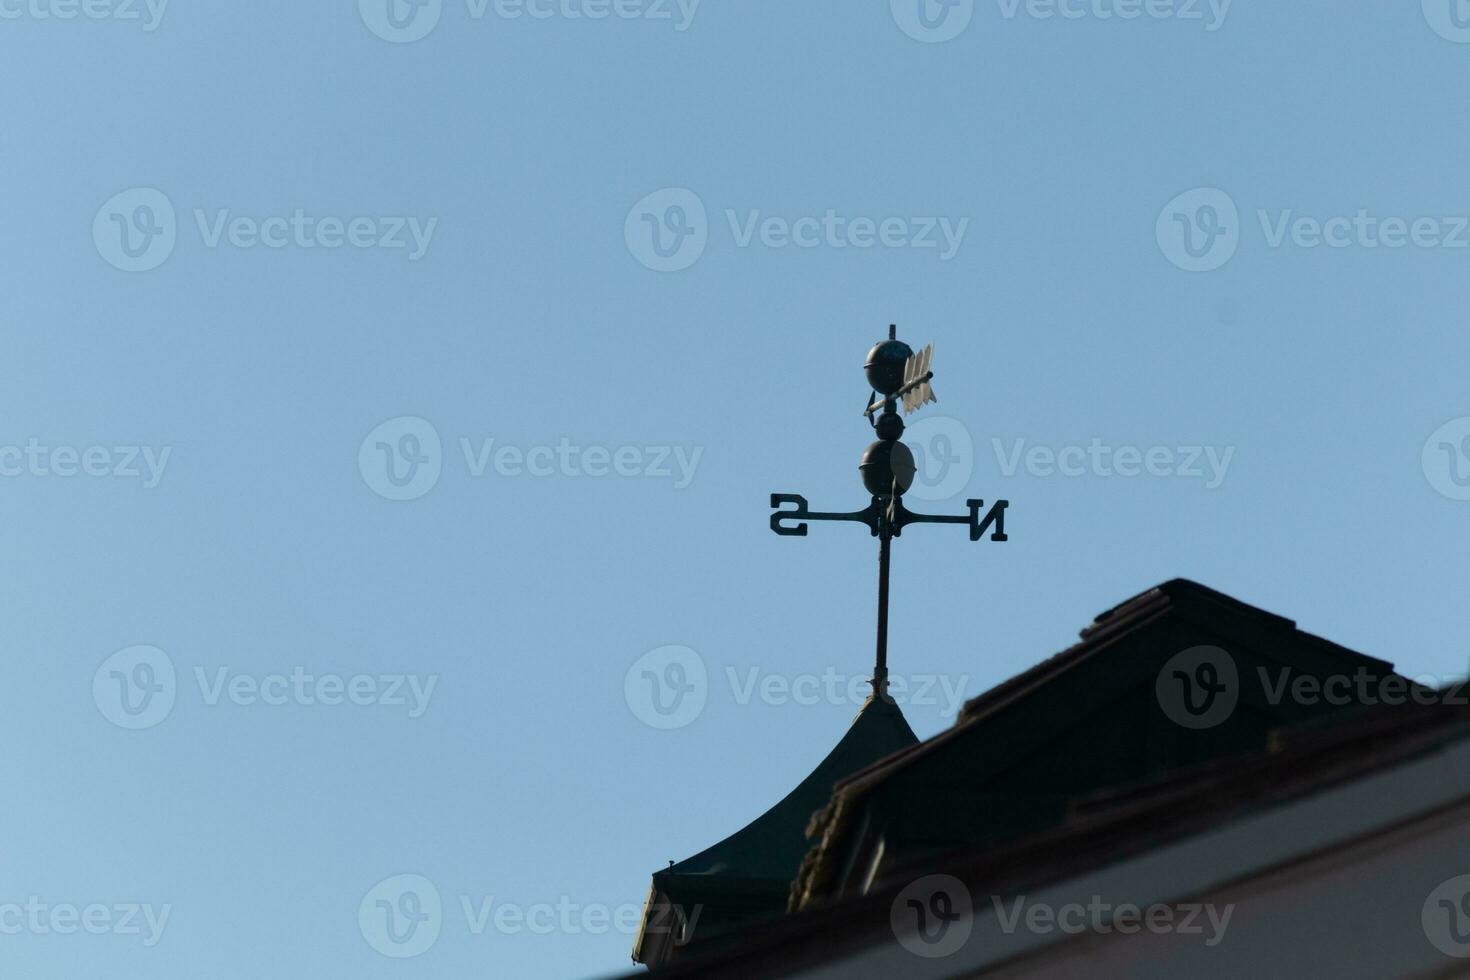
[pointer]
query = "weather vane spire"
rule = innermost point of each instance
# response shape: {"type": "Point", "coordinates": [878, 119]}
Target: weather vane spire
{"type": "Point", "coordinates": [897, 374]}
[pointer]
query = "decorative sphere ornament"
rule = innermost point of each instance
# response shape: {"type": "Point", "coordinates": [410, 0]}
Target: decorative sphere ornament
{"type": "Point", "coordinates": [889, 426]}
{"type": "Point", "coordinates": [885, 363]}
{"type": "Point", "coordinates": [884, 463]}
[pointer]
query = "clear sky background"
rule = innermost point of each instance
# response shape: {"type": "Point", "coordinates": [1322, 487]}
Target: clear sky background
{"type": "Point", "coordinates": [533, 317]}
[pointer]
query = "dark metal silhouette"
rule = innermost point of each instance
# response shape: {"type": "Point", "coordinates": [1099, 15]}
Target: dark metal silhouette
{"type": "Point", "coordinates": [897, 374]}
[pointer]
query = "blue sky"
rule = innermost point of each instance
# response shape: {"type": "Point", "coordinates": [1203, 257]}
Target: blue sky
{"type": "Point", "coordinates": [383, 396]}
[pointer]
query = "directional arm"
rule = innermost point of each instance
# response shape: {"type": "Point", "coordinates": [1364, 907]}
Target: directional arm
{"type": "Point", "coordinates": [871, 515]}
{"type": "Point", "coordinates": [995, 516]}
{"type": "Point", "coordinates": [879, 516]}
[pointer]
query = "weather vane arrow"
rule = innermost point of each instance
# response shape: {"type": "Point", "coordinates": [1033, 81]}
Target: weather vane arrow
{"type": "Point", "coordinates": [897, 374]}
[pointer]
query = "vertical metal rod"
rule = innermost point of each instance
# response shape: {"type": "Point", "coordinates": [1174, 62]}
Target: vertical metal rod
{"type": "Point", "coordinates": [880, 672]}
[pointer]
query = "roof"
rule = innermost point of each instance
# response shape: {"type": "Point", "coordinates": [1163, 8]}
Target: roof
{"type": "Point", "coordinates": [1300, 764]}
{"type": "Point", "coordinates": [1135, 611]}
{"type": "Point", "coordinates": [1197, 605]}
{"type": "Point", "coordinates": [772, 845]}
{"type": "Point", "coordinates": [754, 866]}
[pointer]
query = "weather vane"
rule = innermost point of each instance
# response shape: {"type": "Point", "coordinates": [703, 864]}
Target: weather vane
{"type": "Point", "coordinates": [896, 374]}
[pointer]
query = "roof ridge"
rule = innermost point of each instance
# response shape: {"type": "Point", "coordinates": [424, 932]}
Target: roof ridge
{"type": "Point", "coordinates": [1178, 596]}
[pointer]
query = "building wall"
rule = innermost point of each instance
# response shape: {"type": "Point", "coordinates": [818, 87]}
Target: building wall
{"type": "Point", "coordinates": [1355, 914]}
{"type": "Point", "coordinates": [1344, 882]}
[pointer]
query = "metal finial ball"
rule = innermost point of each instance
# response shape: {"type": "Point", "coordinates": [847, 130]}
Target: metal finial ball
{"type": "Point", "coordinates": [885, 363]}
{"type": "Point", "coordinates": [889, 426]}
{"type": "Point", "coordinates": [883, 462]}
